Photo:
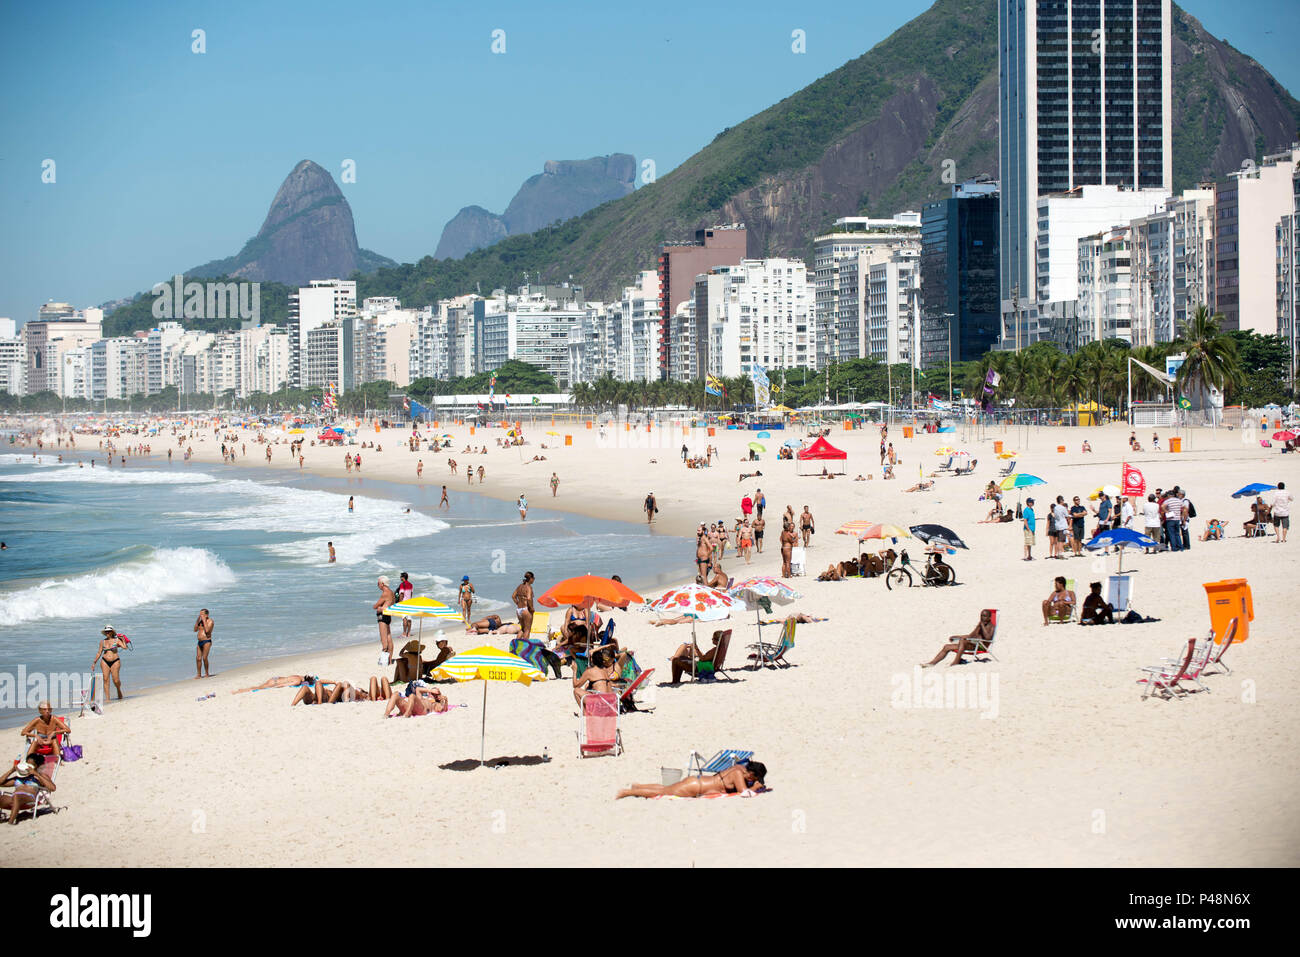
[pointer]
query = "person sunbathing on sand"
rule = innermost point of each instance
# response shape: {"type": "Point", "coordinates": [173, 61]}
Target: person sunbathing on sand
{"type": "Point", "coordinates": [964, 644]}
{"type": "Point", "coordinates": [920, 487]}
{"type": "Point", "coordinates": [743, 779]}
{"type": "Point", "coordinates": [832, 574]}
{"type": "Point", "coordinates": [418, 701]}
{"type": "Point", "coordinates": [491, 625]}
{"type": "Point", "coordinates": [283, 681]}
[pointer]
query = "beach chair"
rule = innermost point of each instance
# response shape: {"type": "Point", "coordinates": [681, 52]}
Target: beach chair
{"type": "Point", "coordinates": [598, 731]}
{"type": "Point", "coordinates": [774, 655]}
{"type": "Point", "coordinates": [1074, 607]}
{"type": "Point", "coordinates": [1166, 678]}
{"type": "Point", "coordinates": [983, 646]}
{"type": "Point", "coordinates": [968, 469]}
{"type": "Point", "coordinates": [710, 670]}
{"type": "Point", "coordinates": [627, 698]}
{"type": "Point", "coordinates": [1007, 469]}
{"type": "Point", "coordinates": [1119, 593]}
{"type": "Point", "coordinates": [1216, 660]}
{"type": "Point", "coordinates": [541, 624]}
{"type": "Point", "coordinates": [726, 758]}
{"type": "Point", "coordinates": [798, 560]}
{"type": "Point", "coordinates": [1201, 656]}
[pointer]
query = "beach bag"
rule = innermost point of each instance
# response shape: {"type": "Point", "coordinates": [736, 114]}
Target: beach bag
{"type": "Point", "coordinates": [71, 752]}
{"type": "Point", "coordinates": [1191, 509]}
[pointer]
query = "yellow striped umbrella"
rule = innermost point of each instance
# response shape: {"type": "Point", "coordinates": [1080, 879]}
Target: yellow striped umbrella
{"type": "Point", "coordinates": [487, 664]}
{"type": "Point", "coordinates": [423, 607]}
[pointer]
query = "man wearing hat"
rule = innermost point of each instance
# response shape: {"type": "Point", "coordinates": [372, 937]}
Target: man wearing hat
{"type": "Point", "coordinates": [1030, 522]}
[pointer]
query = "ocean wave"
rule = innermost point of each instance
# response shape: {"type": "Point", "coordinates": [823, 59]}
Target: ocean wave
{"type": "Point", "coordinates": [110, 476]}
{"type": "Point", "coordinates": [161, 573]}
{"type": "Point", "coordinates": [323, 517]}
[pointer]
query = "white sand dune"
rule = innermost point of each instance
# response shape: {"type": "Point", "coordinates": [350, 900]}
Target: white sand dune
{"type": "Point", "coordinates": [1061, 764]}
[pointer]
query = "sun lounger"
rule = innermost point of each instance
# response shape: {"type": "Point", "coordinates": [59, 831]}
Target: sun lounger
{"type": "Point", "coordinates": [765, 654]}
{"type": "Point", "coordinates": [1165, 678]}
{"type": "Point", "coordinates": [598, 725]}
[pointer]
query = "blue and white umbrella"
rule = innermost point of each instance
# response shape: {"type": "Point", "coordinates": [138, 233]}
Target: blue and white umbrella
{"type": "Point", "coordinates": [1255, 488]}
{"type": "Point", "coordinates": [1120, 538]}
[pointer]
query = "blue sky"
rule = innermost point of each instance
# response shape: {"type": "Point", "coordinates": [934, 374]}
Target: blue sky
{"type": "Point", "coordinates": [166, 159]}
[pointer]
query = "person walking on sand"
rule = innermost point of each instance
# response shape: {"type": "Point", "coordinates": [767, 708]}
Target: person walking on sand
{"type": "Point", "coordinates": [650, 507]}
{"type": "Point", "coordinates": [466, 598]}
{"type": "Point", "coordinates": [523, 599]}
{"type": "Point", "coordinates": [481, 472]}
{"type": "Point", "coordinates": [333, 557]}
{"type": "Point", "coordinates": [522, 505]}
{"type": "Point", "coordinates": [1281, 513]}
{"type": "Point", "coordinates": [443, 503]}
{"type": "Point", "coordinates": [385, 620]}
{"type": "Point", "coordinates": [555, 484]}
{"type": "Point", "coordinates": [807, 525]}
{"type": "Point", "coordinates": [1030, 522]}
{"type": "Point", "coordinates": [203, 629]}
{"type": "Point", "coordinates": [787, 548]}
{"type": "Point", "coordinates": [109, 659]}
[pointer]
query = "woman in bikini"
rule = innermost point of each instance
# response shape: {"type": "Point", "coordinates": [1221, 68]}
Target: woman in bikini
{"type": "Point", "coordinates": [203, 628]}
{"type": "Point", "coordinates": [741, 779]}
{"type": "Point", "coordinates": [27, 780]}
{"type": "Point", "coordinates": [110, 660]}
{"type": "Point", "coordinates": [418, 702]}
{"type": "Point", "coordinates": [466, 598]}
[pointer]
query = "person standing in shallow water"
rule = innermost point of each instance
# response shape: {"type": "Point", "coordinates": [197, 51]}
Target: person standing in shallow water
{"type": "Point", "coordinates": [203, 629]}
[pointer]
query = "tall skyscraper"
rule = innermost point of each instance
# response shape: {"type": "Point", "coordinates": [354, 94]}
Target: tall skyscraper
{"type": "Point", "coordinates": [1084, 99]}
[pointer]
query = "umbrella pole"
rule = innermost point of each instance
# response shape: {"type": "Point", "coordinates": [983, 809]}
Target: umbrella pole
{"type": "Point", "coordinates": [482, 741]}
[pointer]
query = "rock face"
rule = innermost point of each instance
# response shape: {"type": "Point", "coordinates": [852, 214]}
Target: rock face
{"type": "Point", "coordinates": [308, 234]}
{"type": "Point", "coordinates": [884, 133]}
{"type": "Point", "coordinates": [472, 228]}
{"type": "Point", "coordinates": [564, 189]}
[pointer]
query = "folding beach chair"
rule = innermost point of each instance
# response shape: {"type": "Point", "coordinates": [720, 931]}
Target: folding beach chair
{"type": "Point", "coordinates": [798, 560]}
{"type": "Point", "coordinates": [765, 654]}
{"type": "Point", "coordinates": [1119, 592]}
{"type": "Point", "coordinates": [1216, 660]}
{"type": "Point", "coordinates": [627, 698]}
{"type": "Point", "coordinates": [710, 670]}
{"type": "Point", "coordinates": [968, 469]}
{"type": "Point", "coordinates": [1201, 657]}
{"type": "Point", "coordinates": [1166, 678]}
{"type": "Point", "coordinates": [945, 465]}
{"type": "Point", "coordinates": [983, 646]}
{"type": "Point", "coordinates": [1074, 607]}
{"type": "Point", "coordinates": [1007, 469]}
{"type": "Point", "coordinates": [541, 624]}
{"type": "Point", "coordinates": [598, 725]}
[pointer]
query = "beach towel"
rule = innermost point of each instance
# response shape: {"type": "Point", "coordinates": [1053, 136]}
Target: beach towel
{"type": "Point", "coordinates": [706, 797]}
{"type": "Point", "coordinates": [781, 621]}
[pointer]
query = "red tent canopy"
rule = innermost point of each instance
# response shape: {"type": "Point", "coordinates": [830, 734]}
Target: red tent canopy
{"type": "Point", "coordinates": [821, 449]}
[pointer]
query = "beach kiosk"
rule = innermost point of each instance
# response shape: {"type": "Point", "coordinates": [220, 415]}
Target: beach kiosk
{"type": "Point", "coordinates": [821, 455]}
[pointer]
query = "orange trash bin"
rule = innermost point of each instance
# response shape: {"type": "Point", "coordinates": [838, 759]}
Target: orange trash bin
{"type": "Point", "coordinates": [471, 430]}
{"type": "Point", "coordinates": [907, 431]}
{"type": "Point", "coordinates": [1060, 448]}
{"type": "Point", "coordinates": [568, 440]}
{"type": "Point", "coordinates": [847, 425]}
{"type": "Point", "coordinates": [1230, 599]}
{"type": "Point", "coordinates": [712, 431]}
{"type": "Point", "coordinates": [589, 426]}
{"type": "Point", "coordinates": [1175, 443]}
{"type": "Point", "coordinates": [997, 447]}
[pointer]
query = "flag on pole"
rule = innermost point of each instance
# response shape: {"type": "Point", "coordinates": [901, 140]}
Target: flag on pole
{"type": "Point", "coordinates": [713, 385]}
{"type": "Point", "coordinates": [1133, 484]}
{"type": "Point", "coordinates": [762, 386]}
{"type": "Point", "coordinates": [492, 388]}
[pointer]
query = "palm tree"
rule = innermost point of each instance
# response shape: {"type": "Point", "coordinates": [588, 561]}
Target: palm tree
{"type": "Point", "coordinates": [1212, 359]}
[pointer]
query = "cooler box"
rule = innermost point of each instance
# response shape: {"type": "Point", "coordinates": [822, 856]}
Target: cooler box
{"type": "Point", "coordinates": [1230, 599]}
{"type": "Point", "coordinates": [1176, 444]}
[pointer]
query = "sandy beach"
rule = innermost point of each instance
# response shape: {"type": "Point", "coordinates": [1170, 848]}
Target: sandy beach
{"type": "Point", "coordinates": [1058, 763]}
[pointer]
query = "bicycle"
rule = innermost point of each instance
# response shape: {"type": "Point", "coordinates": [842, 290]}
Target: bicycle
{"type": "Point", "coordinates": [936, 572]}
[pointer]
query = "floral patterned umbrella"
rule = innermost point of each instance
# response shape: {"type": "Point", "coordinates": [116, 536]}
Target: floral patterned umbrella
{"type": "Point", "coordinates": [752, 589]}
{"type": "Point", "coordinates": [699, 601]}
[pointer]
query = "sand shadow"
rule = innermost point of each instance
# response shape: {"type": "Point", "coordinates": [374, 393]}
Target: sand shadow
{"type": "Point", "coordinates": [471, 764]}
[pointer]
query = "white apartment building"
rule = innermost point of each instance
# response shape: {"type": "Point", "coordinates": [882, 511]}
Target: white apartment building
{"type": "Point", "coordinates": [266, 355]}
{"type": "Point", "coordinates": [322, 301]}
{"type": "Point", "coordinates": [119, 368]}
{"type": "Point", "coordinates": [383, 335]}
{"type": "Point", "coordinates": [1105, 289]}
{"type": "Point", "coordinates": [1288, 275]}
{"type": "Point", "coordinates": [74, 377]}
{"type": "Point", "coordinates": [59, 329]}
{"type": "Point", "coordinates": [1248, 208]}
{"type": "Point", "coordinates": [162, 343]}
{"type": "Point", "coordinates": [13, 364]}
{"type": "Point", "coordinates": [760, 312]}
{"type": "Point", "coordinates": [683, 334]}
{"type": "Point", "coordinates": [638, 308]}
{"type": "Point", "coordinates": [892, 325]}
{"type": "Point", "coordinates": [1172, 265]}
{"type": "Point", "coordinates": [849, 237]}
{"type": "Point", "coordinates": [322, 362]}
